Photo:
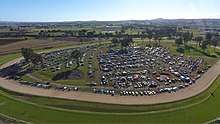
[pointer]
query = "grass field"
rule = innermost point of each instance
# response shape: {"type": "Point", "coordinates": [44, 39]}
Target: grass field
{"type": "Point", "coordinates": [98, 107]}
{"type": "Point", "coordinates": [38, 44]}
{"type": "Point", "coordinates": [37, 113]}
{"type": "Point", "coordinates": [48, 74]}
{"type": "Point", "coordinates": [5, 41]}
{"type": "Point", "coordinates": [192, 49]}
{"type": "Point", "coordinates": [8, 120]}
{"type": "Point", "coordinates": [6, 58]}
{"type": "Point", "coordinates": [10, 56]}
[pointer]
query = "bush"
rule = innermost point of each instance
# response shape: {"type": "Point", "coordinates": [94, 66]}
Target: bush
{"type": "Point", "coordinates": [213, 55]}
{"type": "Point", "coordinates": [180, 50]}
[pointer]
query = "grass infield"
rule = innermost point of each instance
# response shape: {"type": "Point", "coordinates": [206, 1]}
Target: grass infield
{"type": "Point", "coordinates": [198, 109]}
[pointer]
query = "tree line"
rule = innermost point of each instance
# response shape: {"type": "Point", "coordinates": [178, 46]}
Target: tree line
{"type": "Point", "coordinates": [201, 41]}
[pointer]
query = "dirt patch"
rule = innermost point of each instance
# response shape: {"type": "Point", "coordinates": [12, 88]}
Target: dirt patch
{"type": "Point", "coordinates": [5, 41]}
{"type": "Point", "coordinates": [35, 43]}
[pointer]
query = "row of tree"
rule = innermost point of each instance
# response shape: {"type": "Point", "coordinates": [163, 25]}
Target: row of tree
{"type": "Point", "coordinates": [210, 39]}
{"type": "Point", "coordinates": [123, 42]}
{"type": "Point", "coordinates": [183, 38]}
{"type": "Point", "coordinates": [30, 56]}
{"type": "Point", "coordinates": [203, 42]}
{"type": "Point", "coordinates": [140, 33]}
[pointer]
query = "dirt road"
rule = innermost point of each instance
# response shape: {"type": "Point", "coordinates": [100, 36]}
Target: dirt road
{"type": "Point", "coordinates": [201, 85]}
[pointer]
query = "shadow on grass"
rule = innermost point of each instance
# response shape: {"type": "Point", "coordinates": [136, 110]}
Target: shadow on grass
{"type": "Point", "coordinates": [70, 74]}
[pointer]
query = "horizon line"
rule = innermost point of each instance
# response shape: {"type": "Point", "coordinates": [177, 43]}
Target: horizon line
{"type": "Point", "coordinates": [108, 20]}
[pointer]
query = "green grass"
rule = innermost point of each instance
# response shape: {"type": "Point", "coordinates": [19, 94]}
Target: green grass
{"type": "Point", "coordinates": [194, 51]}
{"type": "Point", "coordinates": [6, 58]}
{"type": "Point", "coordinates": [98, 107]}
{"type": "Point", "coordinates": [6, 120]}
{"type": "Point", "coordinates": [43, 75]}
{"type": "Point", "coordinates": [36, 113]}
{"type": "Point", "coordinates": [48, 74]}
{"type": "Point", "coordinates": [27, 78]}
{"type": "Point", "coordinates": [34, 109]}
{"type": "Point", "coordinates": [191, 50]}
{"type": "Point", "coordinates": [9, 57]}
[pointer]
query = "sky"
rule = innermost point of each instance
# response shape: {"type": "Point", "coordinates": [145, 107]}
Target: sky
{"type": "Point", "coordinates": [106, 10]}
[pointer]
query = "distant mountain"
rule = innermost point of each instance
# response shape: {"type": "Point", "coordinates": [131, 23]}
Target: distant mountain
{"type": "Point", "coordinates": [186, 22]}
{"type": "Point", "coordinates": [159, 21]}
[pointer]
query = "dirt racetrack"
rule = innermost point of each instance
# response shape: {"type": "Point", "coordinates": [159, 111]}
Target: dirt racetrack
{"type": "Point", "coordinates": [201, 85]}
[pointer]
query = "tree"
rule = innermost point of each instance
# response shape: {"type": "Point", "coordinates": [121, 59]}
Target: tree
{"type": "Point", "coordinates": [43, 34]}
{"type": "Point", "coordinates": [36, 59]}
{"type": "Point", "coordinates": [115, 41]}
{"type": "Point", "coordinates": [208, 36]}
{"type": "Point", "coordinates": [186, 38]}
{"type": "Point", "coordinates": [76, 54]}
{"type": "Point", "coordinates": [27, 53]}
{"type": "Point", "coordinates": [150, 36]}
{"type": "Point", "coordinates": [91, 33]}
{"type": "Point", "coordinates": [125, 42]}
{"type": "Point", "coordinates": [82, 32]}
{"type": "Point", "coordinates": [122, 30]}
{"type": "Point", "coordinates": [157, 38]}
{"type": "Point", "coordinates": [204, 45]}
{"type": "Point", "coordinates": [179, 41]}
{"type": "Point", "coordinates": [32, 57]}
{"type": "Point", "coordinates": [214, 41]}
{"type": "Point", "coordinates": [191, 36]}
{"type": "Point", "coordinates": [198, 40]}
{"type": "Point", "coordinates": [142, 35]}
{"type": "Point", "coordinates": [130, 40]}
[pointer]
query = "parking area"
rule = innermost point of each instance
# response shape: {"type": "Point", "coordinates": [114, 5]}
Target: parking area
{"type": "Point", "coordinates": [138, 71]}
{"type": "Point", "coordinates": [147, 71]}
